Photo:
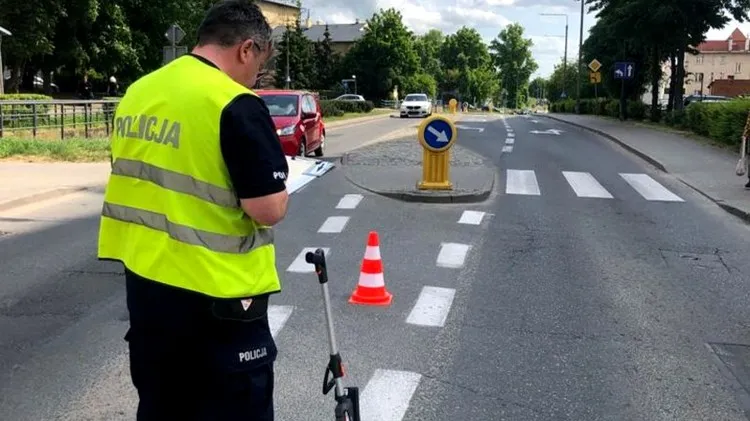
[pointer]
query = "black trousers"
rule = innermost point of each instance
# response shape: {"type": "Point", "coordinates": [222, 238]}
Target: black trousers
{"type": "Point", "coordinates": [189, 364]}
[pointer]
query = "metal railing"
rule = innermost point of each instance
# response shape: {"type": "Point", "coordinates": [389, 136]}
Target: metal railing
{"type": "Point", "coordinates": [57, 119]}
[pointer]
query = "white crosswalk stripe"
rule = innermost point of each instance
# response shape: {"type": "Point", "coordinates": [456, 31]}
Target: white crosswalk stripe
{"type": "Point", "coordinates": [585, 185]}
{"type": "Point", "coordinates": [521, 182]}
{"type": "Point", "coordinates": [650, 189]}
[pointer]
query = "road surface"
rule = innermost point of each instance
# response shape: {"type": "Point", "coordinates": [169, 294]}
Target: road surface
{"type": "Point", "coordinates": [586, 288]}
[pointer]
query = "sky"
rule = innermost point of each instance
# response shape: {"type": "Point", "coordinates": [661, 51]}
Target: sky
{"type": "Point", "coordinates": [488, 17]}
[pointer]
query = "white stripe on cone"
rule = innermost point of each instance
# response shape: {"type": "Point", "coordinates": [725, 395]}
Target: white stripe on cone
{"type": "Point", "coordinates": [372, 253]}
{"type": "Point", "coordinates": [371, 280]}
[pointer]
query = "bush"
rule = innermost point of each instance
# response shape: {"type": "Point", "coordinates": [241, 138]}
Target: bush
{"type": "Point", "coordinates": [330, 108]}
{"type": "Point", "coordinates": [346, 106]}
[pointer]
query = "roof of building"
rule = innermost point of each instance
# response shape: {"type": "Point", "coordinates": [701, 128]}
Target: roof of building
{"type": "Point", "coordinates": [339, 32]}
{"type": "Point", "coordinates": [738, 43]}
{"type": "Point", "coordinates": [730, 87]}
{"type": "Point", "coordinates": [287, 3]}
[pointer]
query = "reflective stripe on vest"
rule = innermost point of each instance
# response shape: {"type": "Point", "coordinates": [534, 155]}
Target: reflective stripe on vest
{"type": "Point", "coordinates": [175, 181]}
{"type": "Point", "coordinates": [212, 241]}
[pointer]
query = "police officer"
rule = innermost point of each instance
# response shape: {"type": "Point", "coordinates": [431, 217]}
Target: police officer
{"type": "Point", "coordinates": [198, 180]}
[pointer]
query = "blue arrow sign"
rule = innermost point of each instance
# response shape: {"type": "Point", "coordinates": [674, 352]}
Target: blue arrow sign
{"type": "Point", "coordinates": [624, 70]}
{"type": "Point", "coordinates": [438, 134]}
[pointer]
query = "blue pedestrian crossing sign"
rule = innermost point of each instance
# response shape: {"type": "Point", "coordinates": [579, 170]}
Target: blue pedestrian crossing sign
{"type": "Point", "coordinates": [437, 134]}
{"type": "Point", "coordinates": [624, 70]}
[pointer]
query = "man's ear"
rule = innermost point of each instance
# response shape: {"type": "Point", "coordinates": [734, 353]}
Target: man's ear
{"type": "Point", "coordinates": [246, 51]}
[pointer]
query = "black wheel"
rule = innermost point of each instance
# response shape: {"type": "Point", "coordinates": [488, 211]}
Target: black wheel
{"type": "Point", "coordinates": [319, 151]}
{"type": "Point", "coordinates": [302, 148]}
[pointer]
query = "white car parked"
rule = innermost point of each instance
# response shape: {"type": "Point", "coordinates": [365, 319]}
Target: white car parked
{"type": "Point", "coordinates": [416, 105]}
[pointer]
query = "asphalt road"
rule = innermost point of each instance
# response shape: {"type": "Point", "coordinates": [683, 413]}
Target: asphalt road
{"type": "Point", "coordinates": [345, 138]}
{"type": "Point", "coordinates": [545, 306]}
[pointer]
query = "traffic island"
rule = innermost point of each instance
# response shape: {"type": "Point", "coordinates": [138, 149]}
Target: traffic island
{"type": "Point", "coordinates": [393, 169]}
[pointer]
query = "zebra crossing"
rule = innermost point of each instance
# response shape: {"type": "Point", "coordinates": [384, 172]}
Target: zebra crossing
{"type": "Point", "coordinates": [585, 185]}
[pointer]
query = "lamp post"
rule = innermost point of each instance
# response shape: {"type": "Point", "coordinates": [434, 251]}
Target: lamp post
{"type": "Point", "coordinates": [355, 84]}
{"type": "Point", "coordinates": [3, 32]}
{"type": "Point", "coordinates": [565, 57]}
{"type": "Point", "coordinates": [580, 59]}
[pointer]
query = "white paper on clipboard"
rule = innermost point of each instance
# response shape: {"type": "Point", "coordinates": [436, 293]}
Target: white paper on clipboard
{"type": "Point", "coordinates": [304, 170]}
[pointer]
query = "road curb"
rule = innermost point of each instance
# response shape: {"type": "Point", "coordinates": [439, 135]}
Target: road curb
{"type": "Point", "coordinates": [355, 121]}
{"type": "Point", "coordinates": [39, 197]}
{"type": "Point", "coordinates": [633, 150]}
{"type": "Point", "coordinates": [420, 197]}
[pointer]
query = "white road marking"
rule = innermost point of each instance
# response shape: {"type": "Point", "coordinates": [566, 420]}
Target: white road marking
{"type": "Point", "coordinates": [585, 185]}
{"type": "Point", "coordinates": [521, 182]}
{"type": "Point", "coordinates": [349, 201]}
{"type": "Point", "coordinates": [432, 307]}
{"type": "Point", "coordinates": [511, 134]}
{"type": "Point", "coordinates": [277, 317]}
{"type": "Point", "coordinates": [649, 188]}
{"type": "Point", "coordinates": [509, 141]}
{"type": "Point", "coordinates": [334, 224]}
{"type": "Point", "coordinates": [471, 217]}
{"type": "Point", "coordinates": [507, 149]}
{"type": "Point", "coordinates": [387, 395]}
{"type": "Point", "coordinates": [452, 255]}
{"type": "Point", "coordinates": [299, 264]}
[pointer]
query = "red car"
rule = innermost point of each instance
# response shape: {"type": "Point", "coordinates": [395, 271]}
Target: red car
{"type": "Point", "coordinates": [298, 120]}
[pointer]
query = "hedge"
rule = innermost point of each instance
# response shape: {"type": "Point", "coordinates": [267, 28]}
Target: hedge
{"type": "Point", "coordinates": [332, 108]}
{"type": "Point", "coordinates": [720, 121]}
{"type": "Point", "coordinates": [22, 115]}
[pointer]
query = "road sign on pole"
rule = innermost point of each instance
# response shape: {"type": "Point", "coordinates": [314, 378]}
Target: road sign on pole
{"type": "Point", "coordinates": [174, 35]}
{"type": "Point", "coordinates": [437, 135]}
{"type": "Point", "coordinates": [624, 70]}
{"type": "Point", "coordinates": [595, 77]}
{"type": "Point", "coordinates": [595, 65]}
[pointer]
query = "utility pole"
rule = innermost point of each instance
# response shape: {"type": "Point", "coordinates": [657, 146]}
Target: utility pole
{"type": "Point", "coordinates": [580, 59]}
{"type": "Point", "coordinates": [565, 56]}
{"type": "Point", "coordinates": [288, 38]}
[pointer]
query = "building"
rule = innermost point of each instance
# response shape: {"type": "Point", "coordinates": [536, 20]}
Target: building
{"type": "Point", "coordinates": [717, 59]}
{"type": "Point", "coordinates": [343, 35]}
{"type": "Point", "coordinates": [729, 87]}
{"type": "Point", "coordinates": [279, 12]}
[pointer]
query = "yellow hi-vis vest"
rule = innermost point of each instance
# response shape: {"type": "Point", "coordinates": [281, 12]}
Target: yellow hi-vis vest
{"type": "Point", "coordinates": [170, 214]}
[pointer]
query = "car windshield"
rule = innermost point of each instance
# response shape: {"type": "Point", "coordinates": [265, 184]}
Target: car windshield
{"type": "Point", "coordinates": [281, 105]}
{"type": "Point", "coordinates": [416, 98]}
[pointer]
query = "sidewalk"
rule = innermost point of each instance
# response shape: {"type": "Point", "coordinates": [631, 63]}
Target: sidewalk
{"type": "Point", "coordinates": [22, 183]}
{"type": "Point", "coordinates": [707, 169]}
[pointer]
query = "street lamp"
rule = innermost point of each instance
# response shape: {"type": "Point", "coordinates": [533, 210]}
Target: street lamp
{"type": "Point", "coordinates": [565, 57]}
{"type": "Point", "coordinates": [355, 84]}
{"type": "Point", "coordinates": [580, 59]}
{"type": "Point", "coordinates": [6, 33]}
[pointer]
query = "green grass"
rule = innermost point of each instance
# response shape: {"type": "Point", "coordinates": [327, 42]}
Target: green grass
{"type": "Point", "coordinates": [68, 150]}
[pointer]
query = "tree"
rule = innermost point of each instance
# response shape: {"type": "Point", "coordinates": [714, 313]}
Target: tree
{"type": "Point", "coordinates": [296, 52]}
{"type": "Point", "coordinates": [467, 66]}
{"type": "Point", "coordinates": [326, 62]}
{"type": "Point", "coordinates": [428, 47]}
{"type": "Point", "coordinates": [511, 54]}
{"type": "Point", "coordinates": [538, 87]}
{"type": "Point", "coordinates": [420, 82]}
{"type": "Point", "coordinates": [384, 57]}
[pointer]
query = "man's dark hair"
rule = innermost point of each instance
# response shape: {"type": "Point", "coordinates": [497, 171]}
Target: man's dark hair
{"type": "Point", "coordinates": [230, 22]}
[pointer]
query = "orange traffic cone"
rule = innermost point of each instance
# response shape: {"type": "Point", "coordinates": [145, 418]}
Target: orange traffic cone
{"type": "Point", "coordinates": [371, 287]}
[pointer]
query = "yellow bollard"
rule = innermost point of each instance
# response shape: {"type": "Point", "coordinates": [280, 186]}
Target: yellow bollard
{"type": "Point", "coordinates": [436, 135]}
{"type": "Point", "coordinates": [452, 104]}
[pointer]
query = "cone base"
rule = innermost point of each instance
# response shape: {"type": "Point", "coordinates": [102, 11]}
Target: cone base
{"type": "Point", "coordinates": [383, 299]}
